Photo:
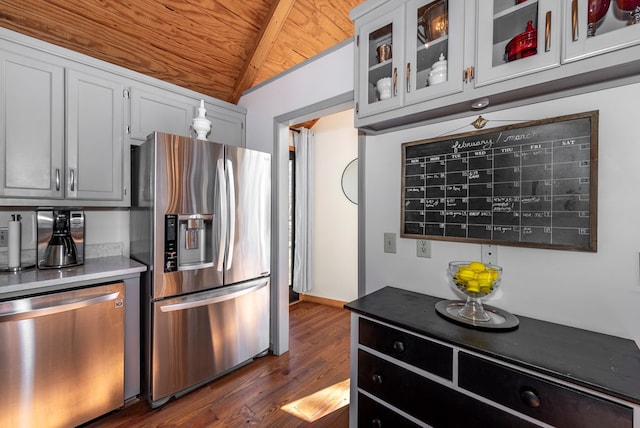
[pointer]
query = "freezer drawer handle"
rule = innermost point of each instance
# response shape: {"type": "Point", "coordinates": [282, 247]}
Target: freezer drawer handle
{"type": "Point", "coordinates": [62, 307]}
{"type": "Point", "coordinates": [217, 299]}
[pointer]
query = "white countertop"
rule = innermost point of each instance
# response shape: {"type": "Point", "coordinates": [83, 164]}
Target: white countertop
{"type": "Point", "coordinates": [99, 269]}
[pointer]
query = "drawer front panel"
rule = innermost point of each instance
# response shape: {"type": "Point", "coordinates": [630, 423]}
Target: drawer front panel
{"type": "Point", "coordinates": [372, 414]}
{"type": "Point", "coordinates": [428, 401]}
{"type": "Point", "coordinates": [546, 401]}
{"type": "Point", "coordinates": [418, 352]}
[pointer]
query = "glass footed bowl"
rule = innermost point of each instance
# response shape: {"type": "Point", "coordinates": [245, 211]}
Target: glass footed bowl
{"type": "Point", "coordinates": [475, 280]}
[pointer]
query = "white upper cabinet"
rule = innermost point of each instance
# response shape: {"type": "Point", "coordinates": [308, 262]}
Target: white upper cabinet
{"type": "Point", "coordinates": [95, 138]}
{"type": "Point", "coordinates": [515, 38]}
{"type": "Point", "coordinates": [594, 27]}
{"type": "Point", "coordinates": [434, 49]}
{"type": "Point", "coordinates": [380, 42]}
{"type": "Point", "coordinates": [31, 126]}
{"type": "Point", "coordinates": [407, 52]}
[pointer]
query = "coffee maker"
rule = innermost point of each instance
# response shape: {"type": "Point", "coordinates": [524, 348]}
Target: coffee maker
{"type": "Point", "coordinates": [60, 238]}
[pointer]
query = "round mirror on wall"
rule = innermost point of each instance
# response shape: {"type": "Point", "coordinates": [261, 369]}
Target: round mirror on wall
{"type": "Point", "coordinates": [350, 181]}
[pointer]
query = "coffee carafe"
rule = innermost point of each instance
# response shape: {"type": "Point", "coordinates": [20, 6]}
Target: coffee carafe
{"type": "Point", "coordinates": [61, 250]}
{"type": "Point", "coordinates": [60, 238]}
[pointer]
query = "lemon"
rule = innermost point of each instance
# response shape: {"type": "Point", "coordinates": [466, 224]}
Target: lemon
{"type": "Point", "coordinates": [473, 286]}
{"type": "Point", "coordinates": [466, 274]}
{"type": "Point", "coordinates": [477, 266]}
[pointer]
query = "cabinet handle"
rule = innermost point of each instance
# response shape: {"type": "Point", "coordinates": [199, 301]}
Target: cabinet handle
{"type": "Point", "coordinates": [398, 346]}
{"type": "Point", "coordinates": [530, 398]}
{"type": "Point", "coordinates": [57, 179]}
{"type": "Point", "coordinates": [395, 81]}
{"type": "Point", "coordinates": [73, 179]}
{"type": "Point", "coordinates": [376, 423]}
{"type": "Point", "coordinates": [408, 77]}
{"type": "Point", "coordinates": [376, 379]}
{"type": "Point", "coordinates": [547, 32]}
{"type": "Point", "coordinates": [574, 20]}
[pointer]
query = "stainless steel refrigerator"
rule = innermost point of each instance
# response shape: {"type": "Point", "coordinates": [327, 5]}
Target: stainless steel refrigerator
{"type": "Point", "coordinates": [201, 221]}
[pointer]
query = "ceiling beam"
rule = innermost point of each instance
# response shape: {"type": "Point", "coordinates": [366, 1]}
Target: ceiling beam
{"type": "Point", "coordinates": [276, 18]}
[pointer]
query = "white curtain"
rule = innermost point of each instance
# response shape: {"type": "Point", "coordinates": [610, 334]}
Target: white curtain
{"type": "Point", "coordinates": [302, 273]}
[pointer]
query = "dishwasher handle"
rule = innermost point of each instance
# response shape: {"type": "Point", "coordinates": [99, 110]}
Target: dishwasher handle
{"type": "Point", "coordinates": [196, 303]}
{"type": "Point", "coordinates": [64, 305]}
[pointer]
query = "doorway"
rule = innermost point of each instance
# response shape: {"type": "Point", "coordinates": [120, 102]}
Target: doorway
{"type": "Point", "coordinates": [333, 216]}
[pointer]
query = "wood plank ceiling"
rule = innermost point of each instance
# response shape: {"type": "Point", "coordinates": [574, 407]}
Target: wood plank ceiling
{"type": "Point", "coordinates": [216, 47]}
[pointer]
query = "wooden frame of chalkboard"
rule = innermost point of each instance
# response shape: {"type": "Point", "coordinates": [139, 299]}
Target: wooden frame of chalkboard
{"type": "Point", "coordinates": [533, 184]}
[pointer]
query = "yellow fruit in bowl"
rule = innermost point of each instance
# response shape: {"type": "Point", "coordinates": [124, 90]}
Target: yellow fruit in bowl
{"type": "Point", "coordinates": [477, 266]}
{"type": "Point", "coordinates": [475, 277]}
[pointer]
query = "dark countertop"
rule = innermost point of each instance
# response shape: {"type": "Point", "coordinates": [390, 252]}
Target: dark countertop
{"type": "Point", "coordinates": [93, 271]}
{"type": "Point", "coordinates": [598, 361]}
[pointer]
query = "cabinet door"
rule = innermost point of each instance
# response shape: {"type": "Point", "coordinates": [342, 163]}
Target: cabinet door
{"type": "Point", "coordinates": [597, 26]}
{"type": "Point", "coordinates": [380, 63]}
{"type": "Point", "coordinates": [226, 126]}
{"type": "Point", "coordinates": [95, 128]}
{"type": "Point", "coordinates": [31, 127]}
{"type": "Point", "coordinates": [434, 49]}
{"type": "Point", "coordinates": [516, 38]}
{"type": "Point", "coordinates": [153, 109]}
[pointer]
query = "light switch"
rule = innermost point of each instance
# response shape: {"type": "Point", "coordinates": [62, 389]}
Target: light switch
{"type": "Point", "coordinates": [389, 242]}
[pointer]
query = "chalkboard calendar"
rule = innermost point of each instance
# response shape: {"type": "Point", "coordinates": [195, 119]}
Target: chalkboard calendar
{"type": "Point", "coordinates": [531, 184]}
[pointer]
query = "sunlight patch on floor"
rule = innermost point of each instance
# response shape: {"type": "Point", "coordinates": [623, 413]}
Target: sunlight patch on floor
{"type": "Point", "coordinates": [321, 403]}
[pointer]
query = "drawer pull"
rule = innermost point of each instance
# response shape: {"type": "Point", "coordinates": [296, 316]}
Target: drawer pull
{"type": "Point", "coordinates": [530, 398]}
{"type": "Point", "coordinates": [376, 378]}
{"type": "Point", "coordinates": [398, 346]}
{"type": "Point", "coordinates": [376, 423]}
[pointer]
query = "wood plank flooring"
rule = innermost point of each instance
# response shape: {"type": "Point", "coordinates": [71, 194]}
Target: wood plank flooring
{"type": "Point", "coordinates": [314, 371]}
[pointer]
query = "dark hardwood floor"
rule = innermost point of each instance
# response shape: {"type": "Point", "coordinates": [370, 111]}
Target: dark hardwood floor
{"type": "Point", "coordinates": [255, 395]}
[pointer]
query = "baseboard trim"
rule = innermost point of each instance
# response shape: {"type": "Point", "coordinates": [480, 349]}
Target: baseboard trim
{"type": "Point", "coordinates": [322, 300]}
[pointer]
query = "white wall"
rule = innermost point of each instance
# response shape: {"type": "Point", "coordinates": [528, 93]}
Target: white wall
{"type": "Point", "coordinates": [596, 291]}
{"type": "Point", "coordinates": [323, 78]}
{"type": "Point", "coordinates": [335, 218]}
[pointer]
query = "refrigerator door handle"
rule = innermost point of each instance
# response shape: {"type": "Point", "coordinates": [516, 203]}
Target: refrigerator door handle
{"type": "Point", "coordinates": [64, 305]}
{"type": "Point", "coordinates": [232, 214]}
{"type": "Point", "coordinates": [222, 182]}
{"type": "Point", "coordinates": [196, 303]}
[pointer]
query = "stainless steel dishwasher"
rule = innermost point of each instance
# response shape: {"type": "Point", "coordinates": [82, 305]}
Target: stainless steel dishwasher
{"type": "Point", "coordinates": [62, 357]}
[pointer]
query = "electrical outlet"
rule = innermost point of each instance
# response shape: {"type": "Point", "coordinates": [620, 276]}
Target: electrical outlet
{"type": "Point", "coordinates": [423, 248]}
{"type": "Point", "coordinates": [4, 237]}
{"type": "Point", "coordinates": [389, 242]}
{"type": "Point", "coordinates": [489, 254]}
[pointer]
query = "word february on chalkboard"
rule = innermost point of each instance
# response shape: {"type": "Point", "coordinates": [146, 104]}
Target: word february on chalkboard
{"type": "Point", "coordinates": [533, 184]}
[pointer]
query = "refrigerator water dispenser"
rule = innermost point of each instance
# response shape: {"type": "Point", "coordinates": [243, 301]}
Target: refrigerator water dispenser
{"type": "Point", "coordinates": [188, 242]}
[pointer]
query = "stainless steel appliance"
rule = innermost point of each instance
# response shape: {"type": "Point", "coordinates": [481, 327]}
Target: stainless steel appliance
{"type": "Point", "coordinates": [200, 219]}
{"type": "Point", "coordinates": [60, 238]}
{"type": "Point", "coordinates": [62, 357]}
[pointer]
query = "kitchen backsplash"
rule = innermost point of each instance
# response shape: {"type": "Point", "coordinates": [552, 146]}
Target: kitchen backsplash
{"type": "Point", "coordinates": [106, 234]}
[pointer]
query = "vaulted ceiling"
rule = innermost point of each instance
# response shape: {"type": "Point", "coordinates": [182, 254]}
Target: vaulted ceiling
{"type": "Point", "coordinates": [216, 47]}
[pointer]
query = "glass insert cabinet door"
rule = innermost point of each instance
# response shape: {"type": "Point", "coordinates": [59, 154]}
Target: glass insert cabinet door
{"type": "Point", "coordinates": [409, 54]}
{"type": "Point", "coordinates": [516, 38]}
{"type": "Point", "coordinates": [380, 57]}
{"type": "Point", "coordinates": [594, 27]}
{"type": "Point", "coordinates": [434, 49]}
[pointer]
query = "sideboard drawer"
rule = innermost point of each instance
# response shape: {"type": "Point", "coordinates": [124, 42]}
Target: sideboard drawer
{"type": "Point", "coordinates": [411, 349]}
{"type": "Point", "coordinates": [543, 400]}
{"type": "Point", "coordinates": [372, 414]}
{"type": "Point", "coordinates": [428, 401]}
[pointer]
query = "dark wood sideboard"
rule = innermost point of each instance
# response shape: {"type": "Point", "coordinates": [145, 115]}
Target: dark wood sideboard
{"type": "Point", "coordinates": [411, 367]}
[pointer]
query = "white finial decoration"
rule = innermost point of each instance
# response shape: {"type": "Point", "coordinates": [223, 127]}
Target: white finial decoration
{"type": "Point", "coordinates": [201, 125]}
